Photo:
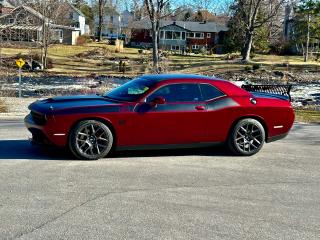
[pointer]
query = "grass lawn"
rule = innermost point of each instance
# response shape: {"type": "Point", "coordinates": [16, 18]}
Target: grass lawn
{"type": "Point", "coordinates": [65, 61]}
{"type": "Point", "coordinates": [309, 116]}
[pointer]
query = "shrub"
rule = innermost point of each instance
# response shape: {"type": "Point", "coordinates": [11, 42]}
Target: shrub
{"type": "Point", "coordinates": [252, 55]}
{"type": "Point", "coordinates": [247, 68]}
{"type": "Point", "coordinates": [83, 39]}
{"type": "Point", "coordinates": [3, 107]}
{"type": "Point", "coordinates": [256, 66]}
{"type": "Point", "coordinates": [203, 50]}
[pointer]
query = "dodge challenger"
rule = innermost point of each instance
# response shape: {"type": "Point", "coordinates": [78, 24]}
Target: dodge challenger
{"type": "Point", "coordinates": [159, 112]}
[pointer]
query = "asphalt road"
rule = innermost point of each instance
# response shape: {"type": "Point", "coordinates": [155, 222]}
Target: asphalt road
{"type": "Point", "coordinates": [185, 194]}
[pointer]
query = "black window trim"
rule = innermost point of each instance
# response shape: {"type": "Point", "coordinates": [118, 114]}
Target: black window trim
{"type": "Point", "coordinates": [144, 99]}
{"type": "Point", "coordinates": [211, 99]}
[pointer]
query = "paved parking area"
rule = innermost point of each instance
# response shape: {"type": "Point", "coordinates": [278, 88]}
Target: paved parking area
{"type": "Point", "coordinates": [184, 194]}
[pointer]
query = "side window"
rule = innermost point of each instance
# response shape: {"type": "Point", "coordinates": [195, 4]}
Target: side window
{"type": "Point", "coordinates": [178, 93]}
{"type": "Point", "coordinates": [210, 92]}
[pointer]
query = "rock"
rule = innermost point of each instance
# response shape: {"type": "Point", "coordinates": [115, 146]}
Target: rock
{"type": "Point", "coordinates": [36, 66]}
{"type": "Point", "coordinates": [278, 73]}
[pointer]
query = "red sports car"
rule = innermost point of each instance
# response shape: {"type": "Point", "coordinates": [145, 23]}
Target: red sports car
{"type": "Point", "coordinates": [162, 111]}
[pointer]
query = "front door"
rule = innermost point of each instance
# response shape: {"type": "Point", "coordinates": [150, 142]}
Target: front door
{"type": "Point", "coordinates": [180, 120]}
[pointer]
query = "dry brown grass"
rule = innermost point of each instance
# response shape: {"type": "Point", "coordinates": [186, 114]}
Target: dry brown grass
{"type": "Point", "coordinates": [307, 115]}
{"type": "Point", "coordinates": [3, 107]}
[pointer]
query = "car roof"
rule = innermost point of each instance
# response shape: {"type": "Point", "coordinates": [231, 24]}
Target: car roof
{"type": "Point", "coordinates": [223, 85]}
{"type": "Point", "coordinates": [175, 76]}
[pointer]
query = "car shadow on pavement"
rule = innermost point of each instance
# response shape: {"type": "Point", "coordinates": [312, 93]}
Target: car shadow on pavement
{"type": "Point", "coordinates": [205, 151]}
{"type": "Point", "coordinates": [25, 150]}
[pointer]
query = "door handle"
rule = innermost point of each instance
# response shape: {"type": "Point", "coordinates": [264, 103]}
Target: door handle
{"type": "Point", "coordinates": [200, 108]}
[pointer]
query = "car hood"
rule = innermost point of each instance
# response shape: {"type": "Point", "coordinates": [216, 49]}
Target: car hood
{"type": "Point", "coordinates": [70, 104]}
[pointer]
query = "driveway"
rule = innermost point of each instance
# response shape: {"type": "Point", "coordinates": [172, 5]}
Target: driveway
{"type": "Point", "coordinates": [174, 194]}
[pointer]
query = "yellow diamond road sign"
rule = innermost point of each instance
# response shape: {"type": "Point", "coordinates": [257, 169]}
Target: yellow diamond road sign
{"type": "Point", "coordinates": [20, 63]}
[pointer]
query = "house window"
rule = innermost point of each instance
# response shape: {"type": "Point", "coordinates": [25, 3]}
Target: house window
{"type": "Point", "coordinates": [191, 35]}
{"type": "Point", "coordinates": [161, 34]}
{"type": "Point", "coordinates": [175, 48]}
{"type": "Point", "coordinates": [168, 34]}
{"type": "Point", "coordinates": [11, 20]}
{"type": "Point", "coordinates": [183, 35]}
{"type": "Point", "coordinates": [194, 47]}
{"type": "Point", "coordinates": [208, 35]}
{"type": "Point", "coordinates": [111, 19]}
{"type": "Point", "coordinates": [195, 35]}
{"type": "Point", "coordinates": [176, 35]}
{"type": "Point", "coordinates": [199, 35]}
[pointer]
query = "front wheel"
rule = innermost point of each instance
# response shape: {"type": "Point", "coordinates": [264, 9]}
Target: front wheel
{"type": "Point", "coordinates": [247, 137]}
{"type": "Point", "coordinates": [90, 140]}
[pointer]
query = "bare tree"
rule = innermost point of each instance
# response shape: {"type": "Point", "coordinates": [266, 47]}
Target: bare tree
{"type": "Point", "coordinates": [52, 13]}
{"type": "Point", "coordinates": [155, 9]}
{"type": "Point", "coordinates": [101, 11]}
{"type": "Point", "coordinates": [254, 14]}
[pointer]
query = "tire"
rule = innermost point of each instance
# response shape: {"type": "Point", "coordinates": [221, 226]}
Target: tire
{"type": "Point", "coordinates": [90, 140]}
{"type": "Point", "coordinates": [247, 137]}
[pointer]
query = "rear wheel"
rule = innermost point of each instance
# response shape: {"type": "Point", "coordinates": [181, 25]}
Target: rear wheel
{"type": "Point", "coordinates": [90, 140]}
{"type": "Point", "coordinates": [247, 137]}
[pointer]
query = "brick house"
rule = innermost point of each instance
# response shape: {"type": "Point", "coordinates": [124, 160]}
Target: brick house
{"type": "Point", "coordinates": [181, 35]}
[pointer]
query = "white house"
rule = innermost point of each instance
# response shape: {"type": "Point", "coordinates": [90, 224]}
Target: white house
{"type": "Point", "coordinates": [114, 23]}
{"type": "Point", "coordinates": [78, 19]}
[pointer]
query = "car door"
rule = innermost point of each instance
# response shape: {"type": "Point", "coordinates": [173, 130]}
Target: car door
{"type": "Point", "coordinates": [220, 113]}
{"type": "Point", "coordinates": [179, 120]}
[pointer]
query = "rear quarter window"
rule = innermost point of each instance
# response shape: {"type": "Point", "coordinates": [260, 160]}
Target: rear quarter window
{"type": "Point", "coordinates": [210, 92]}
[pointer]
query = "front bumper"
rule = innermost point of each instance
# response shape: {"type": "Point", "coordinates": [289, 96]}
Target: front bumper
{"type": "Point", "coordinates": [38, 135]}
{"type": "Point", "coordinates": [45, 134]}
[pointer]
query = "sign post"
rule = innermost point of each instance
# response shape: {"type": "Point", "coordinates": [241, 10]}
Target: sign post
{"type": "Point", "coordinates": [20, 63]}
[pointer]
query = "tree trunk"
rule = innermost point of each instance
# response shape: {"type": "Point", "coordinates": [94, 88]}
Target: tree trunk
{"type": "Point", "coordinates": [155, 51]}
{"type": "Point", "coordinates": [308, 40]}
{"type": "Point", "coordinates": [247, 46]}
{"type": "Point", "coordinates": [44, 45]}
{"type": "Point", "coordinates": [100, 24]}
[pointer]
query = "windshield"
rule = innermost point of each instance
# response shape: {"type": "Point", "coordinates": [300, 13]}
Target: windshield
{"type": "Point", "coordinates": [131, 91]}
